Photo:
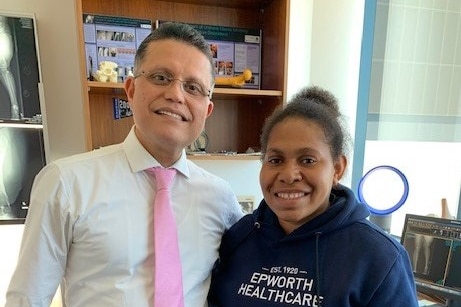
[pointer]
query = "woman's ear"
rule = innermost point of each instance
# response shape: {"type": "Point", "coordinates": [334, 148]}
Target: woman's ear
{"type": "Point", "coordinates": [340, 168]}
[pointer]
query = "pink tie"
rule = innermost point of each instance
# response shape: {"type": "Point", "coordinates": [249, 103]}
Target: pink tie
{"type": "Point", "coordinates": [168, 274]}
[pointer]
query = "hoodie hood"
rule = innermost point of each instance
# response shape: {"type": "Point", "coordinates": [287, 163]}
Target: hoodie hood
{"type": "Point", "coordinates": [343, 211]}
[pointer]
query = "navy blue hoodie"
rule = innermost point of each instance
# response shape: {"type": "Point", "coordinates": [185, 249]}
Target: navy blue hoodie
{"type": "Point", "coordinates": [337, 259]}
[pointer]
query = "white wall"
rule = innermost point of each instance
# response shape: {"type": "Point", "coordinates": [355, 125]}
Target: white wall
{"type": "Point", "coordinates": [299, 45]}
{"type": "Point", "coordinates": [335, 60]}
{"type": "Point", "coordinates": [243, 175]}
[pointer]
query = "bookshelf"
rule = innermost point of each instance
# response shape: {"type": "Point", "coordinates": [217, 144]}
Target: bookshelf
{"type": "Point", "coordinates": [238, 114]}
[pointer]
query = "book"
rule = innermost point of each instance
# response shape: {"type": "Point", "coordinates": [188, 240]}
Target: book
{"type": "Point", "coordinates": [121, 108]}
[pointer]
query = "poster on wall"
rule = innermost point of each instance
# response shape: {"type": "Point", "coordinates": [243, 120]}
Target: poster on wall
{"type": "Point", "coordinates": [233, 49]}
{"type": "Point", "coordinates": [114, 39]}
{"type": "Point", "coordinates": [22, 150]}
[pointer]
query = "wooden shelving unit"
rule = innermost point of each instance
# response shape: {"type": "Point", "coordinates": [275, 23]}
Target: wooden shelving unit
{"type": "Point", "coordinates": [239, 114]}
{"type": "Point", "coordinates": [218, 92]}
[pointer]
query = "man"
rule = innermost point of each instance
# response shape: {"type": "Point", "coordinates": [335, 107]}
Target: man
{"type": "Point", "coordinates": [90, 220]}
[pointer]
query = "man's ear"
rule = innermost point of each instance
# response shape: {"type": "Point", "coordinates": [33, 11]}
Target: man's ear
{"type": "Point", "coordinates": [129, 89]}
{"type": "Point", "coordinates": [210, 109]}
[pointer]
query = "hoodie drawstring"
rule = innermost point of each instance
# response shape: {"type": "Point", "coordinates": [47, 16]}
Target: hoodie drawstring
{"type": "Point", "coordinates": [317, 265]}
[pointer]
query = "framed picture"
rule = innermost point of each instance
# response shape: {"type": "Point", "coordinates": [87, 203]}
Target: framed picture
{"type": "Point", "coordinates": [247, 203]}
{"type": "Point", "coordinates": [22, 150]}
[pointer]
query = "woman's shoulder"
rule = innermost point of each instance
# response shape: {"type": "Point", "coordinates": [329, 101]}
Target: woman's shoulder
{"type": "Point", "coordinates": [243, 226]}
{"type": "Point", "coordinates": [369, 234]}
{"type": "Point", "coordinates": [235, 235]}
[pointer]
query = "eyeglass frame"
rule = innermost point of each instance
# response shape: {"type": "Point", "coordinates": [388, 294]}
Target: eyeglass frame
{"type": "Point", "coordinates": [147, 74]}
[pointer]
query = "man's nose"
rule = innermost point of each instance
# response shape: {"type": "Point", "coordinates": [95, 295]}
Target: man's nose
{"type": "Point", "coordinates": [175, 90]}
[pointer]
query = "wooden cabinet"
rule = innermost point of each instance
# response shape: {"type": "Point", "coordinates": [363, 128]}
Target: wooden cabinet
{"type": "Point", "coordinates": [239, 114]}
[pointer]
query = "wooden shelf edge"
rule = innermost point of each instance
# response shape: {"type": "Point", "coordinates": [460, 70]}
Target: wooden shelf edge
{"type": "Point", "coordinates": [217, 92]}
{"type": "Point", "coordinates": [105, 87]}
{"type": "Point", "coordinates": [109, 85]}
{"type": "Point", "coordinates": [223, 157]}
{"type": "Point", "coordinates": [246, 92]}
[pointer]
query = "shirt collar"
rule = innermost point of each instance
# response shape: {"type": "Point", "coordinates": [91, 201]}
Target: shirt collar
{"type": "Point", "coordinates": [140, 159]}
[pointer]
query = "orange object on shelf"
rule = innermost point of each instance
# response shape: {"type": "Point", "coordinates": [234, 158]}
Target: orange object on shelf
{"type": "Point", "coordinates": [235, 81]}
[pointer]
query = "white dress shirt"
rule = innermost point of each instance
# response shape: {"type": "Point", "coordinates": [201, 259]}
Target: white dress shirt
{"type": "Point", "coordinates": [90, 221]}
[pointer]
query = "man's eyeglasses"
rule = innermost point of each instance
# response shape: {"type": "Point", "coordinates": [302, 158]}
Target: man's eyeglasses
{"type": "Point", "coordinates": [193, 88]}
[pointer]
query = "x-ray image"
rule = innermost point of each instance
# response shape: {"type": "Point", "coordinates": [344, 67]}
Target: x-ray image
{"type": "Point", "coordinates": [21, 158]}
{"type": "Point", "coordinates": [19, 77]}
{"type": "Point", "coordinates": [22, 153]}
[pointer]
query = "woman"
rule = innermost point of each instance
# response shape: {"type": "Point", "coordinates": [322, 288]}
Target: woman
{"type": "Point", "coordinates": [309, 243]}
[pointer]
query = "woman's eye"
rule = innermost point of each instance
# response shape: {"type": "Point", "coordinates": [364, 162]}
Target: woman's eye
{"type": "Point", "coordinates": [274, 160]}
{"type": "Point", "coordinates": [308, 161]}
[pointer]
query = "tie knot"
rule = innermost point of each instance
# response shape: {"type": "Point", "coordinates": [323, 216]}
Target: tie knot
{"type": "Point", "coordinates": [163, 176]}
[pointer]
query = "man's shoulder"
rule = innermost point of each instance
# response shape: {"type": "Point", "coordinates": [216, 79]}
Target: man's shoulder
{"type": "Point", "coordinates": [197, 170]}
{"type": "Point", "coordinates": [103, 155]}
